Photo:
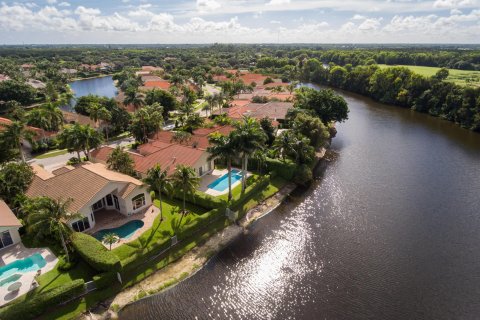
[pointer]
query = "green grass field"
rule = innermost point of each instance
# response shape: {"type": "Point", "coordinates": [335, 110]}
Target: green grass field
{"type": "Point", "coordinates": [460, 77]}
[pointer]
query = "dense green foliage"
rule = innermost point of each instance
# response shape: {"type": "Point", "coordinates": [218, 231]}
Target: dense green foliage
{"type": "Point", "coordinates": [400, 86]}
{"type": "Point", "coordinates": [14, 181]}
{"type": "Point", "coordinates": [41, 302]}
{"type": "Point", "coordinates": [104, 280]}
{"type": "Point", "coordinates": [17, 91]}
{"type": "Point", "coordinates": [94, 253]}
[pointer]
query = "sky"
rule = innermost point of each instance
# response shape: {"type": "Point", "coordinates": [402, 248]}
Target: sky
{"type": "Point", "coordinates": [239, 21]}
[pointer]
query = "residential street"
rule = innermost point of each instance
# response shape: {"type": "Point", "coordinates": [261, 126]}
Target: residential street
{"type": "Point", "coordinates": [58, 161]}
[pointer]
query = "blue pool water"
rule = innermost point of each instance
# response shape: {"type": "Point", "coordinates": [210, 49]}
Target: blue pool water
{"type": "Point", "coordinates": [124, 232]}
{"type": "Point", "coordinates": [31, 263]}
{"type": "Point", "coordinates": [221, 184]}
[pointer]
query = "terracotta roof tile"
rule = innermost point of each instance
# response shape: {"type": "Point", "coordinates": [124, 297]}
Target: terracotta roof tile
{"type": "Point", "coordinates": [7, 218]}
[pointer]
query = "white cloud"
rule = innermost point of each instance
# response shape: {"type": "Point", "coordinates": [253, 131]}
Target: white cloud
{"type": "Point", "coordinates": [81, 10]}
{"type": "Point", "coordinates": [275, 22]}
{"type": "Point", "coordinates": [277, 2]}
{"type": "Point", "coordinates": [51, 1]}
{"type": "Point", "coordinates": [358, 17]}
{"type": "Point", "coordinates": [64, 4]}
{"type": "Point", "coordinates": [370, 24]}
{"type": "Point", "coordinates": [208, 5]}
{"type": "Point", "coordinates": [452, 3]}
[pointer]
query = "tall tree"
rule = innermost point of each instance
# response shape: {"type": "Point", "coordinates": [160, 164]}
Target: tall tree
{"type": "Point", "coordinates": [158, 181]}
{"type": "Point", "coordinates": [53, 215]}
{"type": "Point", "coordinates": [134, 98]}
{"type": "Point", "coordinates": [119, 160]}
{"type": "Point", "coordinates": [223, 147]}
{"type": "Point", "coordinates": [14, 134]}
{"type": "Point", "coordinates": [15, 178]}
{"type": "Point", "coordinates": [186, 181]}
{"type": "Point", "coordinates": [249, 137]}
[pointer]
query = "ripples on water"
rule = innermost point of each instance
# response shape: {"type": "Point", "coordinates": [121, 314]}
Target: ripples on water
{"type": "Point", "coordinates": [391, 230]}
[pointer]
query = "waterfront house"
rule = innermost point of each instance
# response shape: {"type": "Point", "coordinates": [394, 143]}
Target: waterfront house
{"type": "Point", "coordinates": [94, 191]}
{"type": "Point", "coordinates": [9, 225]}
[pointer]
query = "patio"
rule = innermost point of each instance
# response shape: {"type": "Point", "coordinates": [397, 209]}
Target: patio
{"type": "Point", "coordinates": [207, 179]}
{"type": "Point", "coordinates": [18, 252]}
{"type": "Point", "coordinates": [109, 219]}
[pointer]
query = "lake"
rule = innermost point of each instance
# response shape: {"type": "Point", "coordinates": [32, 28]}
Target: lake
{"type": "Point", "coordinates": [389, 230]}
{"type": "Point", "coordinates": [102, 86]}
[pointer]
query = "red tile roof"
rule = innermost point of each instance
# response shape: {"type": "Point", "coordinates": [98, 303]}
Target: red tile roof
{"type": "Point", "coordinates": [7, 218]}
{"type": "Point", "coordinates": [39, 133]}
{"type": "Point", "coordinates": [272, 110]}
{"type": "Point", "coordinates": [162, 84]}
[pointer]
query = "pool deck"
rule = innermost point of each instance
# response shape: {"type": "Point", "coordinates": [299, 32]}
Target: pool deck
{"type": "Point", "coordinates": [108, 219]}
{"type": "Point", "coordinates": [18, 252]}
{"type": "Point", "coordinates": [214, 175]}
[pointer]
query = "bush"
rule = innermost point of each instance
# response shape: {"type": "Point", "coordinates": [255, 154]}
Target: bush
{"type": "Point", "coordinates": [64, 265]}
{"type": "Point", "coordinates": [202, 200]}
{"type": "Point", "coordinates": [104, 280]}
{"type": "Point", "coordinates": [303, 175]}
{"type": "Point", "coordinates": [39, 303]}
{"type": "Point", "coordinates": [94, 253]}
{"type": "Point", "coordinates": [286, 170]}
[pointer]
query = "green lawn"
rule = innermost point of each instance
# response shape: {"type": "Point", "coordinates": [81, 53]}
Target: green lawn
{"type": "Point", "coordinates": [51, 154]}
{"type": "Point", "coordinates": [160, 231]}
{"type": "Point", "coordinates": [460, 77]}
{"type": "Point", "coordinates": [138, 249]}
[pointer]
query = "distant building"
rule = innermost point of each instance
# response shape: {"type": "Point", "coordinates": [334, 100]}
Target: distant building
{"type": "Point", "coordinates": [37, 84]}
{"type": "Point", "coordinates": [4, 77]}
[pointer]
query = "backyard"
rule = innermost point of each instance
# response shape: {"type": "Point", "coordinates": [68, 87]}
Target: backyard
{"type": "Point", "coordinates": [140, 257]}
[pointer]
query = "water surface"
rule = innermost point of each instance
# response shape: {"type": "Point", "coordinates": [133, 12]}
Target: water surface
{"type": "Point", "coordinates": [391, 230]}
{"type": "Point", "coordinates": [102, 86]}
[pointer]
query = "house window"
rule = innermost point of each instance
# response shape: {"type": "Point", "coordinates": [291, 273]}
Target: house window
{"type": "Point", "coordinates": [5, 239]}
{"type": "Point", "coordinates": [138, 201]}
{"type": "Point", "coordinates": [109, 200]}
{"type": "Point", "coordinates": [81, 225]}
{"type": "Point", "coordinates": [98, 205]}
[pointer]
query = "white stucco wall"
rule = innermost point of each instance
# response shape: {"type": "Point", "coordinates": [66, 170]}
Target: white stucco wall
{"type": "Point", "coordinates": [13, 233]}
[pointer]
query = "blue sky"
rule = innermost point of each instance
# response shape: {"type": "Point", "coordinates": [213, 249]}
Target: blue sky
{"type": "Point", "coordinates": [246, 21]}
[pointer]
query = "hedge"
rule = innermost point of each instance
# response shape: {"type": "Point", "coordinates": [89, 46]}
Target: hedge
{"type": "Point", "coordinates": [94, 253]}
{"type": "Point", "coordinates": [286, 170]}
{"type": "Point", "coordinates": [202, 200]}
{"type": "Point", "coordinates": [41, 302]}
{"type": "Point", "coordinates": [104, 280]}
{"type": "Point", "coordinates": [139, 257]}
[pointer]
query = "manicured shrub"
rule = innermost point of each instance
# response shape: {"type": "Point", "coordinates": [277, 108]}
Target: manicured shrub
{"type": "Point", "coordinates": [104, 280]}
{"type": "Point", "coordinates": [286, 170]}
{"type": "Point", "coordinates": [203, 200]}
{"type": "Point", "coordinates": [38, 303]}
{"type": "Point", "coordinates": [64, 265]}
{"type": "Point", "coordinates": [94, 253]}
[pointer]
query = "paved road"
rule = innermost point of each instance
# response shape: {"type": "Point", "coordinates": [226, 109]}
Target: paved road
{"type": "Point", "coordinates": [56, 162]}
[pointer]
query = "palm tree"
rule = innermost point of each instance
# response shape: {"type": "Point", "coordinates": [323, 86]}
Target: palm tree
{"type": "Point", "coordinates": [105, 116]}
{"type": "Point", "coordinates": [119, 160]}
{"type": "Point", "coordinates": [54, 216]}
{"type": "Point", "coordinates": [54, 116]}
{"type": "Point", "coordinates": [285, 144]}
{"type": "Point", "coordinates": [110, 238]}
{"type": "Point", "coordinates": [91, 139]}
{"type": "Point", "coordinates": [158, 181]}
{"type": "Point", "coordinates": [223, 147]}
{"type": "Point", "coordinates": [134, 98]}
{"type": "Point", "coordinates": [292, 86]}
{"type": "Point", "coordinates": [156, 116]}
{"type": "Point", "coordinates": [249, 137]}
{"type": "Point", "coordinates": [186, 181]}
{"type": "Point", "coordinates": [14, 134]}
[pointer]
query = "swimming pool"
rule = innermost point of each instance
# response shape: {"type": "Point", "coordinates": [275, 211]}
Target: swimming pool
{"type": "Point", "coordinates": [123, 232]}
{"type": "Point", "coordinates": [221, 184]}
{"type": "Point", "coordinates": [31, 263]}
